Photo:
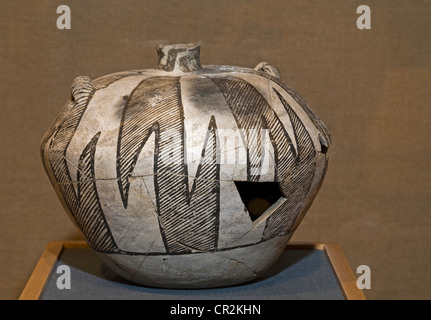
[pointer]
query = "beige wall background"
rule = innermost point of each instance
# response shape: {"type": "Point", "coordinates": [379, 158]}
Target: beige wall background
{"type": "Point", "coordinates": [371, 87]}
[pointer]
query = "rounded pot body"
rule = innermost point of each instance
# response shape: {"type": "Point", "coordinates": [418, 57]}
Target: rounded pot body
{"type": "Point", "coordinates": [186, 176]}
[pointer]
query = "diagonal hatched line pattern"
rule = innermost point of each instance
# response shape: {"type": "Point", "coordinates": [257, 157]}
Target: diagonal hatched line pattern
{"type": "Point", "coordinates": [84, 205]}
{"type": "Point", "coordinates": [295, 181]}
{"type": "Point", "coordinates": [155, 106]}
{"type": "Point", "coordinates": [188, 219]}
{"type": "Point", "coordinates": [89, 214]}
{"type": "Point", "coordinates": [293, 171]}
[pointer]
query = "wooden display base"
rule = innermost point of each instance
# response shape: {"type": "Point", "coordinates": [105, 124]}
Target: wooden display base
{"type": "Point", "coordinates": [45, 268]}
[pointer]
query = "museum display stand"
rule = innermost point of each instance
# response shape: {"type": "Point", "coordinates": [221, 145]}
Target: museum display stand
{"type": "Point", "coordinates": [69, 270]}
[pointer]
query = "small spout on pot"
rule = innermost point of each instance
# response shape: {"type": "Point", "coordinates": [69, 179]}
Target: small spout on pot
{"type": "Point", "coordinates": [179, 57]}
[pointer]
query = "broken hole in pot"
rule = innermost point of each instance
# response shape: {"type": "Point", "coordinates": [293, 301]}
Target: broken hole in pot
{"type": "Point", "coordinates": [258, 196]}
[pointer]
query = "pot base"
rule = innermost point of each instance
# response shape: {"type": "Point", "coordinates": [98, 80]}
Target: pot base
{"type": "Point", "coordinates": [198, 270]}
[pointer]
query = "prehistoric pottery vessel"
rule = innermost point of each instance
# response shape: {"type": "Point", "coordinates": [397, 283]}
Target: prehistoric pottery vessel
{"type": "Point", "coordinates": [187, 176]}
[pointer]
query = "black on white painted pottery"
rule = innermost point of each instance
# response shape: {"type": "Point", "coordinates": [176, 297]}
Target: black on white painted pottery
{"type": "Point", "coordinates": [186, 176]}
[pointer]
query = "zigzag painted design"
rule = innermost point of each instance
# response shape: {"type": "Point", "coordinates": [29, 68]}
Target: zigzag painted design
{"type": "Point", "coordinates": [84, 206]}
{"type": "Point", "coordinates": [188, 214]}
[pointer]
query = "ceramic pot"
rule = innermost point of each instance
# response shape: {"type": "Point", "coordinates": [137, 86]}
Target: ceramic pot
{"type": "Point", "coordinates": [186, 176]}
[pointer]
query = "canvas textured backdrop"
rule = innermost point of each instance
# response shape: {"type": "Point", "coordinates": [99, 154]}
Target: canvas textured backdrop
{"type": "Point", "coordinates": [371, 88]}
